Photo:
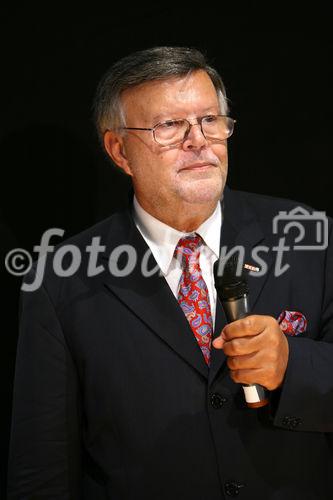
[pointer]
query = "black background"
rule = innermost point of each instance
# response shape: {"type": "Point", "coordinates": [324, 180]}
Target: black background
{"type": "Point", "coordinates": [277, 68]}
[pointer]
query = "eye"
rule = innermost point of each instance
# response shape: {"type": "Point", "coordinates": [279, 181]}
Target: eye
{"type": "Point", "coordinates": [171, 124]}
{"type": "Point", "coordinates": [210, 118]}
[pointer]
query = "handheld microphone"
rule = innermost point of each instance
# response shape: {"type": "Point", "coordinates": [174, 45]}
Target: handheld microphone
{"type": "Point", "coordinates": [233, 291]}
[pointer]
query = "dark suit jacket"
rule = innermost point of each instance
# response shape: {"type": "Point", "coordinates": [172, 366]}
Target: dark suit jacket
{"type": "Point", "coordinates": [113, 399]}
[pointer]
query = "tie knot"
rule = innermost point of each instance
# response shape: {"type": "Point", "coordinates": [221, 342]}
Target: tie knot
{"type": "Point", "coordinates": [188, 249]}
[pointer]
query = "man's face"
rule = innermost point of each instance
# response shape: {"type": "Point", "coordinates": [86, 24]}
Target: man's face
{"type": "Point", "coordinates": [169, 177]}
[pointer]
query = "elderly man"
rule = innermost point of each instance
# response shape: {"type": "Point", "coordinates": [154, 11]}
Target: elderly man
{"type": "Point", "coordinates": [129, 384]}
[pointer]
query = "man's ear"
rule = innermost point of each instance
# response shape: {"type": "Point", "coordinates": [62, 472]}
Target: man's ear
{"type": "Point", "coordinates": [114, 146]}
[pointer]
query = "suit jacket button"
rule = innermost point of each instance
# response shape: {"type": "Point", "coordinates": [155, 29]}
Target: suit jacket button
{"type": "Point", "coordinates": [291, 422]}
{"type": "Point", "coordinates": [232, 488]}
{"type": "Point", "coordinates": [286, 421]}
{"type": "Point", "coordinates": [217, 401]}
{"type": "Point", "coordinates": [295, 422]}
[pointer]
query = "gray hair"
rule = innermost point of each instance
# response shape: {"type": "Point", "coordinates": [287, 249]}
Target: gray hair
{"type": "Point", "coordinates": [157, 63]}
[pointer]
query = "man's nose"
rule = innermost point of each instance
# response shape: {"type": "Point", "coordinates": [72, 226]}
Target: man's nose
{"type": "Point", "coordinates": [195, 138]}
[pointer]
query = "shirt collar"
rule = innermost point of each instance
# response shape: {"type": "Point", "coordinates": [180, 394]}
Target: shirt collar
{"type": "Point", "coordinates": [162, 239]}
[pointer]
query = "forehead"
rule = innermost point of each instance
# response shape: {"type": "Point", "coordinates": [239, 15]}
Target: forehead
{"type": "Point", "coordinates": [162, 99]}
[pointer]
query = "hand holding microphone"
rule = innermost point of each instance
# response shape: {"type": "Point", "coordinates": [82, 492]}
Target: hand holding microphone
{"type": "Point", "coordinates": [257, 349]}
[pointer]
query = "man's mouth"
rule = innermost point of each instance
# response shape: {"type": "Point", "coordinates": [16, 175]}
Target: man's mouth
{"type": "Point", "coordinates": [198, 166]}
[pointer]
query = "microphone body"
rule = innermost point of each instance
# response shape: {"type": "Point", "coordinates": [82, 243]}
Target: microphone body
{"type": "Point", "coordinates": [232, 290]}
{"type": "Point", "coordinates": [238, 308]}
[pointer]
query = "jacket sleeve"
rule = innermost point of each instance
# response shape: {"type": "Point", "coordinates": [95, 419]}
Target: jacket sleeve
{"type": "Point", "coordinates": [305, 401]}
{"type": "Point", "coordinates": [44, 456]}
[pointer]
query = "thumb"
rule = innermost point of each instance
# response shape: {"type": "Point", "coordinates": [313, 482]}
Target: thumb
{"type": "Point", "coordinates": [218, 343]}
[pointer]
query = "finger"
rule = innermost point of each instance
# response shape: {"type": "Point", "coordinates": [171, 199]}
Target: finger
{"type": "Point", "coordinates": [246, 327]}
{"type": "Point", "coordinates": [218, 343]}
{"type": "Point", "coordinates": [234, 331]}
{"type": "Point", "coordinates": [245, 362]}
{"type": "Point", "coordinates": [242, 346]}
{"type": "Point", "coordinates": [250, 326]}
{"type": "Point", "coordinates": [248, 376]}
{"type": "Point", "coordinates": [256, 376]}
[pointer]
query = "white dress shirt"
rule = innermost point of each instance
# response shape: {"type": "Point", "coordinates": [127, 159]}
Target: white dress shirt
{"type": "Point", "coordinates": [162, 241]}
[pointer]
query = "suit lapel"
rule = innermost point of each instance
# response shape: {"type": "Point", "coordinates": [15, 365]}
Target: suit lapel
{"type": "Point", "coordinates": [151, 299]}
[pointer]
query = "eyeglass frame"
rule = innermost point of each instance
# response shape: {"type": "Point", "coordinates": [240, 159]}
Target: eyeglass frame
{"type": "Point", "coordinates": [199, 122]}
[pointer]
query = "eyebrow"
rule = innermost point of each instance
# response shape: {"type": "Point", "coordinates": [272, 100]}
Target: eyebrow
{"type": "Point", "coordinates": [167, 116]}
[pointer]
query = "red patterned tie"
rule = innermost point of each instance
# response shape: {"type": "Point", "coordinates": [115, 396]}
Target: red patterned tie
{"type": "Point", "coordinates": [193, 293]}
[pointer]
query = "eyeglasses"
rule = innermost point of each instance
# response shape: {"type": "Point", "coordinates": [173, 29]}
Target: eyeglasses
{"type": "Point", "coordinates": [173, 132]}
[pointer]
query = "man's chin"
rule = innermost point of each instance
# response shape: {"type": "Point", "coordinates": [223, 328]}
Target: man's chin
{"type": "Point", "coordinates": [202, 194]}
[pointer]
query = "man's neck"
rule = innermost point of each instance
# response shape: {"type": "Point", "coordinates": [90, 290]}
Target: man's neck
{"type": "Point", "coordinates": [186, 219]}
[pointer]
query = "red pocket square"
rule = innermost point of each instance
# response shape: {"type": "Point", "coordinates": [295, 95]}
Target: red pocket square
{"type": "Point", "coordinates": [292, 322]}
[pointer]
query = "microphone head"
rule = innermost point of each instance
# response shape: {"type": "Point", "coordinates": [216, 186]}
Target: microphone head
{"type": "Point", "coordinates": [230, 284]}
